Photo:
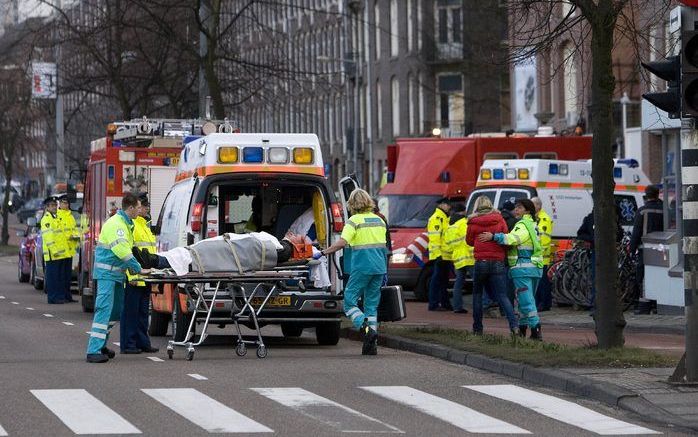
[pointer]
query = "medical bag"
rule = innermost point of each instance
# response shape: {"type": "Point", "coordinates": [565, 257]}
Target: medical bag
{"type": "Point", "coordinates": [392, 305]}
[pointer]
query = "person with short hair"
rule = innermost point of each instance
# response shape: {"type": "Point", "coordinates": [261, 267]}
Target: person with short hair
{"type": "Point", "coordinates": [113, 258]}
{"type": "Point", "coordinates": [544, 294]}
{"type": "Point", "coordinates": [365, 233]}
{"type": "Point", "coordinates": [525, 257]}
{"type": "Point", "coordinates": [438, 287]}
{"type": "Point", "coordinates": [649, 218]}
{"type": "Point", "coordinates": [134, 316]}
{"type": "Point", "coordinates": [55, 250]}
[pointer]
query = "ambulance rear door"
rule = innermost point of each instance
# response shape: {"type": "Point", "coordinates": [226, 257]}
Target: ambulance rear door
{"type": "Point", "coordinates": [160, 180]}
{"type": "Point", "coordinates": [346, 186]}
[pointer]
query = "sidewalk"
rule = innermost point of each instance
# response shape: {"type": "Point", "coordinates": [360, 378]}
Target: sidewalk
{"type": "Point", "coordinates": [644, 391]}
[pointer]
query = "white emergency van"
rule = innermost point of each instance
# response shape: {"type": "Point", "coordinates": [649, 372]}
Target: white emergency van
{"type": "Point", "coordinates": [564, 188]}
{"type": "Point", "coordinates": [243, 182]}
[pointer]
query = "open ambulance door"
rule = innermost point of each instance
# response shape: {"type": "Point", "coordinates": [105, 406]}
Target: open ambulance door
{"type": "Point", "coordinates": [346, 186]}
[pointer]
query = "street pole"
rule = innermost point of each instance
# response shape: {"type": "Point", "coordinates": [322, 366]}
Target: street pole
{"type": "Point", "coordinates": [369, 101]}
{"type": "Point", "coordinates": [60, 137]}
{"type": "Point", "coordinates": [357, 74]}
{"type": "Point", "coordinates": [689, 173]}
{"type": "Point", "coordinates": [204, 15]}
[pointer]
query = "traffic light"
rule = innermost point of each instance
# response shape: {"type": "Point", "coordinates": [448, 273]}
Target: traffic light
{"type": "Point", "coordinates": [689, 73]}
{"type": "Point", "coordinates": [668, 69]}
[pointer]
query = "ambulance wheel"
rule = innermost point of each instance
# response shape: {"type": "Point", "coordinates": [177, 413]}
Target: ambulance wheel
{"type": "Point", "coordinates": [421, 291]}
{"type": "Point", "coordinates": [180, 322]}
{"type": "Point", "coordinates": [327, 334]}
{"type": "Point", "coordinates": [261, 351]}
{"type": "Point", "coordinates": [241, 349]}
{"type": "Point", "coordinates": [190, 355]}
{"type": "Point", "coordinates": [291, 330]}
{"type": "Point", "coordinates": [158, 324]}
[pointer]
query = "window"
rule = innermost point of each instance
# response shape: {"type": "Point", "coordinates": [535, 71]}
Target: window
{"type": "Point", "coordinates": [377, 20]}
{"type": "Point", "coordinates": [570, 83]}
{"type": "Point", "coordinates": [420, 109]}
{"type": "Point", "coordinates": [500, 155]}
{"type": "Point", "coordinates": [511, 196]}
{"type": "Point", "coordinates": [419, 24]}
{"type": "Point", "coordinates": [379, 111]}
{"type": "Point", "coordinates": [411, 85]}
{"type": "Point", "coordinates": [449, 24]}
{"type": "Point", "coordinates": [394, 32]}
{"type": "Point", "coordinates": [540, 155]}
{"type": "Point", "coordinates": [395, 97]}
{"type": "Point", "coordinates": [410, 26]}
{"type": "Point", "coordinates": [473, 197]}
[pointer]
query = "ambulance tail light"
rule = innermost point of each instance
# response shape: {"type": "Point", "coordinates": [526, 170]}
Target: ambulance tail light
{"type": "Point", "coordinates": [227, 155]}
{"type": "Point", "coordinates": [278, 155]}
{"type": "Point", "coordinates": [196, 215]}
{"type": "Point", "coordinates": [337, 218]}
{"type": "Point", "coordinates": [485, 174]}
{"type": "Point", "coordinates": [303, 155]}
{"type": "Point", "coordinates": [497, 173]}
{"type": "Point", "coordinates": [523, 173]}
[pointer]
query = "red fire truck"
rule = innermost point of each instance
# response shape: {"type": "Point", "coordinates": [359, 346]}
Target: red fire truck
{"type": "Point", "coordinates": [136, 156]}
{"type": "Point", "coordinates": [423, 170]}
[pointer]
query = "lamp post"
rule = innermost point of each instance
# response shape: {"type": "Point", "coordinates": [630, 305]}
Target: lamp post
{"type": "Point", "coordinates": [624, 101]}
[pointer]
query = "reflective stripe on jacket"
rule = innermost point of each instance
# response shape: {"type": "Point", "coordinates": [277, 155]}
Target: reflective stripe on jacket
{"type": "Point", "coordinates": [525, 253]}
{"type": "Point", "coordinates": [545, 233]}
{"type": "Point", "coordinates": [53, 242]}
{"type": "Point", "coordinates": [143, 238]}
{"type": "Point", "coordinates": [113, 253]}
{"type": "Point", "coordinates": [365, 233]}
{"type": "Point", "coordinates": [436, 227]}
{"type": "Point", "coordinates": [461, 254]}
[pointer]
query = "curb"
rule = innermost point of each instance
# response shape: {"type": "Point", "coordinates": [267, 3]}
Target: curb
{"type": "Point", "coordinates": [678, 330]}
{"type": "Point", "coordinates": [607, 393]}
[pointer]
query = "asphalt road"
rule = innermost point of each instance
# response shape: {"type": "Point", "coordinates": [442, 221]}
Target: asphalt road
{"type": "Point", "coordinates": [300, 389]}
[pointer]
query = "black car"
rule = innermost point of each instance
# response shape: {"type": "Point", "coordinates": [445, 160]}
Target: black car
{"type": "Point", "coordinates": [29, 209]}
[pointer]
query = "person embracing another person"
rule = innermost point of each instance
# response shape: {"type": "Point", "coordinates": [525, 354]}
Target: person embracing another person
{"type": "Point", "coordinates": [525, 258]}
{"type": "Point", "coordinates": [489, 272]}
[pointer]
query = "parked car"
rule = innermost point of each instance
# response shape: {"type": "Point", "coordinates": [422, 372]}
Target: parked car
{"type": "Point", "coordinates": [26, 250]}
{"type": "Point", "coordinates": [29, 209]}
{"type": "Point", "coordinates": [15, 201]}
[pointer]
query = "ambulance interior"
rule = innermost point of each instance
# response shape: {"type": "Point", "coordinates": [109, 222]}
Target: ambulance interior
{"type": "Point", "coordinates": [270, 207]}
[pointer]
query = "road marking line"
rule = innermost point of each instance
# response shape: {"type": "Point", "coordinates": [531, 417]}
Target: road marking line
{"type": "Point", "coordinates": [48, 315]}
{"type": "Point", "coordinates": [15, 303]}
{"type": "Point", "coordinates": [68, 324]}
{"type": "Point", "coordinates": [204, 411]}
{"type": "Point", "coordinates": [448, 411]}
{"type": "Point", "coordinates": [197, 376]}
{"type": "Point", "coordinates": [2, 431]}
{"type": "Point", "coordinates": [30, 308]}
{"type": "Point", "coordinates": [2, 297]}
{"type": "Point", "coordinates": [326, 411]}
{"type": "Point", "coordinates": [156, 359]}
{"type": "Point", "coordinates": [70, 406]}
{"type": "Point", "coordinates": [116, 343]}
{"type": "Point", "coordinates": [561, 410]}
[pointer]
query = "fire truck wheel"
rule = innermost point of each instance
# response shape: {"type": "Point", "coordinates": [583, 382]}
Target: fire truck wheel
{"type": "Point", "coordinates": [421, 291]}
{"type": "Point", "coordinates": [158, 324]}
{"type": "Point", "coordinates": [180, 322]}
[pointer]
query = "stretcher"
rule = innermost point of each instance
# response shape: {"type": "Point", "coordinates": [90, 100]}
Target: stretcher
{"type": "Point", "coordinates": [250, 292]}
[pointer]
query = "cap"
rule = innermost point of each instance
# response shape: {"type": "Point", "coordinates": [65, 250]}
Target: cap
{"type": "Point", "coordinates": [443, 200]}
{"type": "Point", "coordinates": [143, 197]}
{"type": "Point", "coordinates": [62, 197]}
{"type": "Point", "coordinates": [652, 191]}
{"type": "Point", "coordinates": [50, 199]}
{"type": "Point", "coordinates": [508, 205]}
{"type": "Point", "coordinates": [458, 207]}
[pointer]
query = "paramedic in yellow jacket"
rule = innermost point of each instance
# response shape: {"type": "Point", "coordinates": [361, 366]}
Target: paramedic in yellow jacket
{"type": "Point", "coordinates": [55, 251]}
{"type": "Point", "coordinates": [436, 228]}
{"type": "Point", "coordinates": [364, 232]}
{"type": "Point", "coordinates": [544, 295]}
{"type": "Point", "coordinates": [134, 317]}
{"type": "Point", "coordinates": [72, 237]}
{"type": "Point", "coordinates": [458, 251]}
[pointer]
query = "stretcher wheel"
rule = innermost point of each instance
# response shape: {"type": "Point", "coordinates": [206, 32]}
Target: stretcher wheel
{"type": "Point", "coordinates": [170, 353]}
{"type": "Point", "coordinates": [190, 355]}
{"type": "Point", "coordinates": [261, 351]}
{"type": "Point", "coordinates": [241, 350]}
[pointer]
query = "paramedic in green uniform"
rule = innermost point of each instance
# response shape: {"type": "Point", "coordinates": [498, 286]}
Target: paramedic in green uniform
{"type": "Point", "coordinates": [364, 232]}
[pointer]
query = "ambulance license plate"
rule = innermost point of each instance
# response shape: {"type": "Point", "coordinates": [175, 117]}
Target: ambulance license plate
{"type": "Point", "coordinates": [274, 301]}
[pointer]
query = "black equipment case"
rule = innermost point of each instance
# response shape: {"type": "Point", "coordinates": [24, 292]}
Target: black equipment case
{"type": "Point", "coordinates": [392, 304]}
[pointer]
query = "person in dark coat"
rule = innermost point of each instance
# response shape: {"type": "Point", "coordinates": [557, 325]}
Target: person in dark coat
{"type": "Point", "coordinates": [649, 218]}
{"type": "Point", "coordinates": [508, 214]}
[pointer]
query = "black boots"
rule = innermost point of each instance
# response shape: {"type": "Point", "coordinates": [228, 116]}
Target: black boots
{"type": "Point", "coordinates": [370, 346]}
{"type": "Point", "coordinates": [108, 352]}
{"type": "Point", "coordinates": [522, 330]}
{"type": "Point", "coordinates": [536, 333]}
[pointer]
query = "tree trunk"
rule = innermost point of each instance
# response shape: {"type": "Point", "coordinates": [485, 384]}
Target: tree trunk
{"type": "Point", "coordinates": [608, 313]}
{"type": "Point", "coordinates": [5, 238]}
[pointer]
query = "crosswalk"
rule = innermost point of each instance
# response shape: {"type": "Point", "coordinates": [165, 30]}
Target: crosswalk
{"type": "Point", "coordinates": [85, 413]}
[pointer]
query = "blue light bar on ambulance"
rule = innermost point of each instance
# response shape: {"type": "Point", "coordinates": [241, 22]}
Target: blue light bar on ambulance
{"type": "Point", "coordinates": [553, 168]}
{"type": "Point", "coordinates": [497, 173]}
{"type": "Point", "coordinates": [617, 172]}
{"type": "Point", "coordinates": [253, 154]}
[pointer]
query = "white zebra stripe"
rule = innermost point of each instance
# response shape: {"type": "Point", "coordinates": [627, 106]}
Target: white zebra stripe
{"type": "Point", "coordinates": [204, 411]}
{"type": "Point", "coordinates": [2, 431]}
{"type": "Point", "coordinates": [448, 411]}
{"type": "Point", "coordinates": [70, 406]}
{"type": "Point", "coordinates": [561, 410]}
{"type": "Point", "coordinates": [342, 418]}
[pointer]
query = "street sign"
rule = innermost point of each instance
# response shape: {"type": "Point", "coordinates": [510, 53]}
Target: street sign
{"type": "Point", "coordinates": [44, 80]}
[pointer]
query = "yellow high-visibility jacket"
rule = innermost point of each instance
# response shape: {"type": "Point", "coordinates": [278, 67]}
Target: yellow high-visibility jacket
{"type": "Point", "coordinates": [53, 242]}
{"type": "Point", "coordinates": [461, 254]}
{"type": "Point", "coordinates": [436, 228]}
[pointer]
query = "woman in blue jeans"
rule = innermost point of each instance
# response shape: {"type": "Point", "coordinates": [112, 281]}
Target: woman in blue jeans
{"type": "Point", "coordinates": [489, 272]}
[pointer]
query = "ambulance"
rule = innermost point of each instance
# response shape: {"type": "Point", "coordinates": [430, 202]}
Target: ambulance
{"type": "Point", "coordinates": [564, 188]}
{"type": "Point", "coordinates": [241, 182]}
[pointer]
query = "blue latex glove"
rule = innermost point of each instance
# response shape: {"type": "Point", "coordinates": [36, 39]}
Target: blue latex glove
{"type": "Point", "coordinates": [318, 255]}
{"type": "Point", "coordinates": [384, 282]}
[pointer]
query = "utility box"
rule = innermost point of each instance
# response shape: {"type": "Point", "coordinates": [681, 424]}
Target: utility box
{"type": "Point", "coordinates": [663, 271]}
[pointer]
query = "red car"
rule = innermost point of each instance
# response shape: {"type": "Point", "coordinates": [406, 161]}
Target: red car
{"type": "Point", "coordinates": [26, 250]}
